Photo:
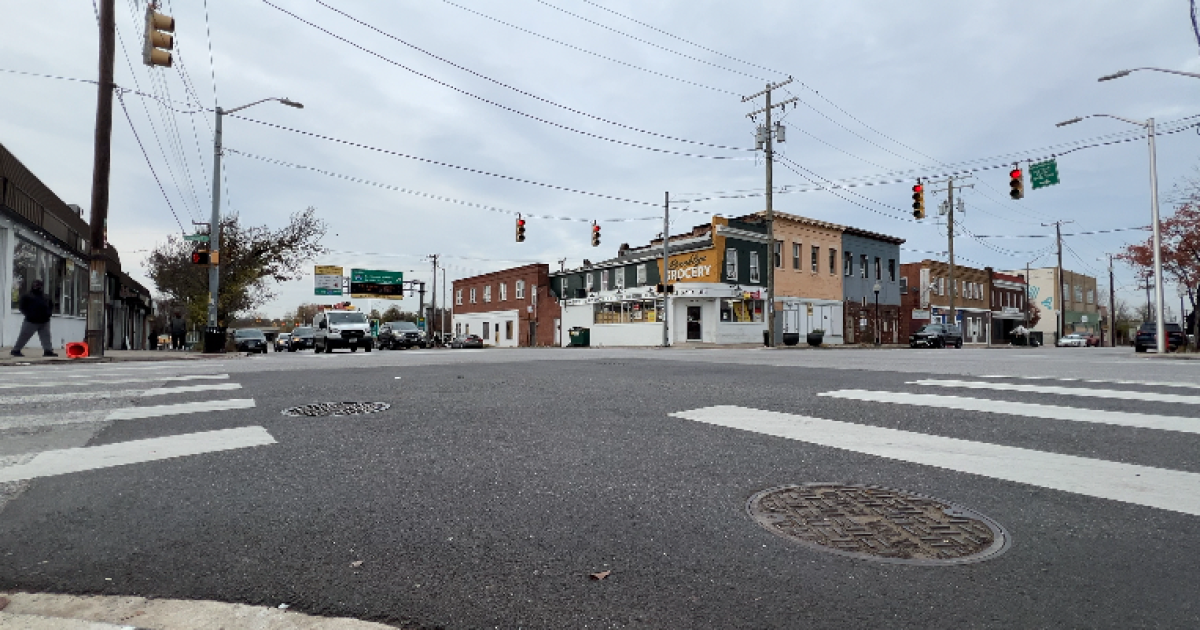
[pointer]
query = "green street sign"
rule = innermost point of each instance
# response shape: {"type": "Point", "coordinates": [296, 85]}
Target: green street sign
{"type": "Point", "coordinates": [375, 284]}
{"type": "Point", "coordinates": [1043, 174]}
{"type": "Point", "coordinates": [203, 238]}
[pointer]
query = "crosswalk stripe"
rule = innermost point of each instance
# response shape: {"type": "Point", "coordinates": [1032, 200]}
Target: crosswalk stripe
{"type": "Point", "coordinates": [34, 421]}
{"type": "Point", "coordinates": [1065, 391]}
{"type": "Point", "coordinates": [1172, 490]}
{"type": "Point", "coordinates": [111, 381]}
{"type": "Point", "coordinates": [70, 460]}
{"type": "Point", "coordinates": [65, 396]}
{"type": "Point", "coordinates": [155, 411]}
{"type": "Point", "coordinates": [1098, 380]}
{"type": "Point", "coordinates": [1029, 410]}
{"type": "Point", "coordinates": [185, 389]}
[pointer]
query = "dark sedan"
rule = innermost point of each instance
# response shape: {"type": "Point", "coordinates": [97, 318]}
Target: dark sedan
{"type": "Point", "coordinates": [1147, 337]}
{"type": "Point", "coordinates": [250, 340]}
{"type": "Point", "coordinates": [301, 339]}
{"type": "Point", "coordinates": [936, 336]}
{"type": "Point", "coordinates": [467, 341]}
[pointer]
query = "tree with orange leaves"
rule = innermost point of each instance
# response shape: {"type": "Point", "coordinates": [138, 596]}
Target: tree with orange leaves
{"type": "Point", "coordinates": [1180, 250]}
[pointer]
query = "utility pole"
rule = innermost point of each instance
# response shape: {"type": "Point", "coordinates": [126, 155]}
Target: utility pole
{"type": "Point", "coordinates": [666, 266]}
{"type": "Point", "coordinates": [445, 303]}
{"type": "Point", "coordinates": [1060, 324]}
{"type": "Point", "coordinates": [768, 140]}
{"type": "Point", "coordinates": [433, 308]}
{"type": "Point", "coordinates": [1027, 283]}
{"type": "Point", "coordinates": [1112, 306]}
{"type": "Point", "coordinates": [101, 167]}
{"type": "Point", "coordinates": [950, 184]}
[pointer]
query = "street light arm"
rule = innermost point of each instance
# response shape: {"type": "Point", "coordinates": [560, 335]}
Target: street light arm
{"type": "Point", "coordinates": [1140, 123]}
{"type": "Point", "coordinates": [1123, 73]}
{"type": "Point", "coordinates": [284, 100]}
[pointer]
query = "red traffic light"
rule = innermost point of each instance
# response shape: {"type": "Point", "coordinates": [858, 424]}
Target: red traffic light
{"type": "Point", "coordinates": [1015, 173]}
{"type": "Point", "coordinates": [520, 222]}
{"type": "Point", "coordinates": [195, 258]}
{"type": "Point", "coordinates": [918, 188]}
{"type": "Point", "coordinates": [595, 228]}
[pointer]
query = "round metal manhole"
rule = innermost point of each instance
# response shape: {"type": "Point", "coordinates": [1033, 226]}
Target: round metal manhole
{"type": "Point", "coordinates": [877, 523]}
{"type": "Point", "coordinates": [336, 409]}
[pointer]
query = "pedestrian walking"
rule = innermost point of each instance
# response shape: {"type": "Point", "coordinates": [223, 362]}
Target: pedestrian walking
{"type": "Point", "coordinates": [178, 331]}
{"type": "Point", "coordinates": [36, 307]}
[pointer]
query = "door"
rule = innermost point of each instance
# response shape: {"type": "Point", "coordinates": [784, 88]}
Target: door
{"type": "Point", "coordinates": [694, 329]}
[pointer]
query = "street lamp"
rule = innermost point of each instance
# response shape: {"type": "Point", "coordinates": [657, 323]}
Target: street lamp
{"type": "Point", "coordinates": [877, 289]}
{"type": "Point", "coordinates": [214, 231]}
{"type": "Point", "coordinates": [1161, 333]}
{"type": "Point", "coordinates": [1125, 73]}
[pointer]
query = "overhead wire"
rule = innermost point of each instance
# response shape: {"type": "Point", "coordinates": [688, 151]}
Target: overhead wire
{"type": "Point", "coordinates": [121, 100]}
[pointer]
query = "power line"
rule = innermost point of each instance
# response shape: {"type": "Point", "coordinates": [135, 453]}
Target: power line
{"type": "Point", "coordinates": [521, 91]}
{"type": "Point", "coordinates": [494, 103]}
{"type": "Point", "coordinates": [121, 100]}
{"type": "Point", "coordinates": [445, 164]}
{"type": "Point", "coordinates": [211, 65]}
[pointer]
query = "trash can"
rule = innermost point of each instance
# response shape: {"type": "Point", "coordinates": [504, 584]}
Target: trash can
{"type": "Point", "coordinates": [214, 339]}
{"type": "Point", "coordinates": [580, 337]}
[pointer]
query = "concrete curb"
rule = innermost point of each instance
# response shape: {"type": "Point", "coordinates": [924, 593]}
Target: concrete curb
{"type": "Point", "coordinates": [34, 611]}
{"type": "Point", "coordinates": [112, 356]}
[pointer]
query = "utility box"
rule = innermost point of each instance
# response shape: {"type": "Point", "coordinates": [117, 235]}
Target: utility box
{"type": "Point", "coordinates": [214, 339]}
{"type": "Point", "coordinates": [580, 337]}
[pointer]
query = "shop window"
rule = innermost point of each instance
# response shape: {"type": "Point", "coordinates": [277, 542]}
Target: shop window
{"type": "Point", "coordinates": [742, 311]}
{"type": "Point", "coordinates": [626, 312]}
{"type": "Point", "coordinates": [508, 330]}
{"type": "Point", "coordinates": [816, 254]}
{"type": "Point", "coordinates": [520, 291]}
{"type": "Point", "coordinates": [503, 291]}
{"type": "Point", "coordinates": [847, 264]}
{"type": "Point", "coordinates": [641, 275]}
{"type": "Point", "coordinates": [753, 266]}
{"type": "Point", "coordinates": [731, 270]}
{"type": "Point", "coordinates": [487, 293]}
{"type": "Point", "coordinates": [796, 256]}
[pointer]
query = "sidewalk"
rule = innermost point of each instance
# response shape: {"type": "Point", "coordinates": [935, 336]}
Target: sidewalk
{"type": "Point", "coordinates": [35, 611]}
{"type": "Point", "coordinates": [33, 356]}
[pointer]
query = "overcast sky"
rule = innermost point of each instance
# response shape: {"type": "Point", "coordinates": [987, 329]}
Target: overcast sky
{"type": "Point", "coordinates": [887, 92]}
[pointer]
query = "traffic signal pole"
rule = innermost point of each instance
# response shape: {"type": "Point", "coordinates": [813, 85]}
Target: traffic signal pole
{"type": "Point", "coordinates": [214, 230]}
{"type": "Point", "coordinates": [666, 265]}
{"type": "Point", "coordinates": [101, 168]}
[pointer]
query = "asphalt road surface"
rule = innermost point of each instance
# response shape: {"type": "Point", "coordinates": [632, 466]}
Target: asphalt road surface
{"type": "Point", "coordinates": [498, 481]}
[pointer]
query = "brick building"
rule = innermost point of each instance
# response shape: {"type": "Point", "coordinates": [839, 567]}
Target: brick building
{"type": "Point", "coordinates": [508, 308]}
{"type": "Point", "coordinates": [925, 290]}
{"type": "Point", "coordinates": [1008, 305]}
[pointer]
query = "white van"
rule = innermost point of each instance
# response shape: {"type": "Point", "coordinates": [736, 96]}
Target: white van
{"type": "Point", "coordinates": [341, 329]}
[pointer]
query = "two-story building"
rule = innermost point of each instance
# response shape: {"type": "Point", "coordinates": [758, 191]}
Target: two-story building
{"type": "Point", "coordinates": [925, 298]}
{"type": "Point", "coordinates": [1008, 305]}
{"type": "Point", "coordinates": [808, 276]}
{"type": "Point", "coordinates": [871, 286]}
{"type": "Point", "coordinates": [717, 271]}
{"type": "Point", "coordinates": [1072, 297]}
{"type": "Point", "coordinates": [508, 308]}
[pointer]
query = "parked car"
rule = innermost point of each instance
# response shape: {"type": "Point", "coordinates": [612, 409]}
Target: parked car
{"type": "Point", "coordinates": [301, 339]}
{"type": "Point", "coordinates": [467, 341]}
{"type": "Point", "coordinates": [1073, 340]}
{"type": "Point", "coordinates": [397, 335]}
{"type": "Point", "coordinates": [1147, 337]}
{"type": "Point", "coordinates": [936, 336]}
{"type": "Point", "coordinates": [250, 340]}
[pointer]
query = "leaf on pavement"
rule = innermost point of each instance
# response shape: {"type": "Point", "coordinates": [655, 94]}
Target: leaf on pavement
{"type": "Point", "coordinates": [601, 575]}
{"type": "Point", "coordinates": [356, 563]}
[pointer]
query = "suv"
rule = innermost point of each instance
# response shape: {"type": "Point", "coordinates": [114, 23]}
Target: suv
{"type": "Point", "coordinates": [300, 339]}
{"type": "Point", "coordinates": [1147, 337]}
{"type": "Point", "coordinates": [342, 329]}
{"type": "Point", "coordinates": [393, 335]}
{"type": "Point", "coordinates": [936, 336]}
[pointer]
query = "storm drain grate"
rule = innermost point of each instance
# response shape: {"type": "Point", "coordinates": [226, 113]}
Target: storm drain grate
{"type": "Point", "coordinates": [336, 409]}
{"type": "Point", "coordinates": [877, 523]}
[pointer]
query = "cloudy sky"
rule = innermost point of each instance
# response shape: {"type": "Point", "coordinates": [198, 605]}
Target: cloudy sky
{"type": "Point", "coordinates": [461, 112]}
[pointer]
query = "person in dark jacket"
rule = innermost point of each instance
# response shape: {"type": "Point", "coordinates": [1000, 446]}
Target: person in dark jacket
{"type": "Point", "coordinates": [36, 307]}
{"type": "Point", "coordinates": [178, 332]}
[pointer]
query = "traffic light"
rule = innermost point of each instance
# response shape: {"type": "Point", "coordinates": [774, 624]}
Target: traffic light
{"type": "Point", "coordinates": [1016, 183]}
{"type": "Point", "coordinates": [520, 230]}
{"type": "Point", "coordinates": [918, 201]}
{"type": "Point", "coordinates": [595, 234]}
{"type": "Point", "coordinates": [200, 257]}
{"type": "Point", "coordinates": [158, 42]}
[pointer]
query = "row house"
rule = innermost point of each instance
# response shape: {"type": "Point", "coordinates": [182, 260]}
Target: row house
{"type": "Point", "coordinates": [1071, 296]}
{"type": "Point", "coordinates": [1009, 305]}
{"type": "Point", "coordinates": [508, 308]}
{"type": "Point", "coordinates": [44, 238]}
{"type": "Point", "coordinates": [808, 276]}
{"type": "Point", "coordinates": [925, 298]}
{"type": "Point", "coordinates": [871, 286]}
{"type": "Point", "coordinates": [718, 273]}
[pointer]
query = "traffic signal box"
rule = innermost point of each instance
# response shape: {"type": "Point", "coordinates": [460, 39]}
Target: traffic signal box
{"type": "Point", "coordinates": [918, 201]}
{"type": "Point", "coordinates": [520, 230]}
{"type": "Point", "coordinates": [595, 235]}
{"type": "Point", "coordinates": [1016, 183]}
{"type": "Point", "coordinates": [201, 257]}
{"type": "Point", "coordinates": [158, 42]}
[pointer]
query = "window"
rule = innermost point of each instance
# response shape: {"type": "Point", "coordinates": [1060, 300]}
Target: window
{"type": "Point", "coordinates": [520, 289]}
{"type": "Point", "coordinates": [472, 295]}
{"type": "Point", "coordinates": [778, 254]}
{"type": "Point", "coordinates": [619, 277]}
{"type": "Point", "coordinates": [60, 277]}
{"type": "Point", "coordinates": [587, 277]}
{"type": "Point", "coordinates": [753, 266]}
{"type": "Point", "coordinates": [563, 291]}
{"type": "Point", "coordinates": [486, 329]}
{"type": "Point", "coordinates": [1078, 293]}
{"type": "Point", "coordinates": [1066, 292]}
{"type": "Point", "coordinates": [731, 271]}
{"type": "Point", "coordinates": [878, 268]}
{"type": "Point", "coordinates": [503, 291]}
{"type": "Point", "coordinates": [796, 256]}
{"type": "Point", "coordinates": [487, 293]}
{"type": "Point", "coordinates": [458, 297]}
{"type": "Point", "coordinates": [641, 275]}
{"type": "Point", "coordinates": [832, 261]}
{"type": "Point", "coordinates": [892, 269]}
{"type": "Point", "coordinates": [1091, 296]}
{"type": "Point", "coordinates": [603, 279]}
{"type": "Point", "coordinates": [847, 264]}
{"type": "Point", "coordinates": [816, 254]}
{"type": "Point", "coordinates": [742, 311]}
{"type": "Point", "coordinates": [508, 330]}
{"type": "Point", "coordinates": [627, 312]}
{"type": "Point", "coordinates": [903, 285]}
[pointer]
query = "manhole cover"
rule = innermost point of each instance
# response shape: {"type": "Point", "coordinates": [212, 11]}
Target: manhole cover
{"type": "Point", "coordinates": [336, 409]}
{"type": "Point", "coordinates": [877, 523]}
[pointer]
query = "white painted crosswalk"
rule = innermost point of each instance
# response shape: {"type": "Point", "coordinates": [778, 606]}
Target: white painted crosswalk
{"type": "Point", "coordinates": [1063, 391]}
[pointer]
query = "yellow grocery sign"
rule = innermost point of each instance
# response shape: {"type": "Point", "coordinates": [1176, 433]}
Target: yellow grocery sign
{"type": "Point", "coordinates": [702, 266]}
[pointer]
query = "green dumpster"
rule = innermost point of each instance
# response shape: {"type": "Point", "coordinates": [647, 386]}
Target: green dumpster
{"type": "Point", "coordinates": [580, 337]}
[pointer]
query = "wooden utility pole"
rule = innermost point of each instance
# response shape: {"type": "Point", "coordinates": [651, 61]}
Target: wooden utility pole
{"type": "Point", "coordinates": [768, 140]}
{"type": "Point", "coordinates": [666, 268]}
{"type": "Point", "coordinates": [1060, 324]}
{"type": "Point", "coordinates": [950, 184]}
{"type": "Point", "coordinates": [101, 167]}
